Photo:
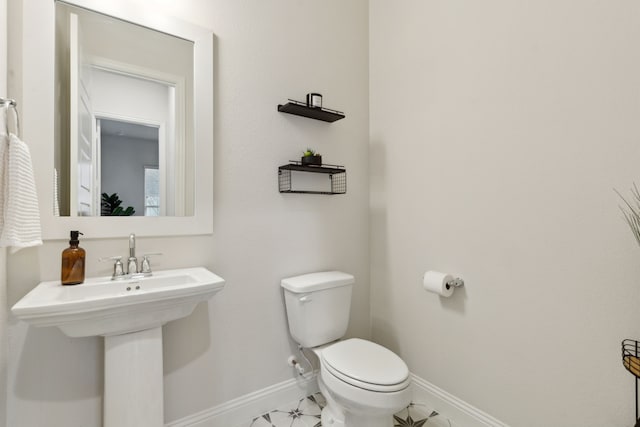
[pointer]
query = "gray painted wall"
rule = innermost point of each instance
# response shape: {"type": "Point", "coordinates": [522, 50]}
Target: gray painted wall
{"type": "Point", "coordinates": [122, 168]}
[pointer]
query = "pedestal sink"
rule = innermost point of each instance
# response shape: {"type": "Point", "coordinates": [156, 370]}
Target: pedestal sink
{"type": "Point", "coordinates": [129, 314]}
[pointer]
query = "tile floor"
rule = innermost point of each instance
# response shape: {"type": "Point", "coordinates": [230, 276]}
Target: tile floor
{"type": "Point", "coordinates": [306, 413]}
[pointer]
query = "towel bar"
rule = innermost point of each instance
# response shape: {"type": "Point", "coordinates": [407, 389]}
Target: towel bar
{"type": "Point", "coordinates": [11, 103]}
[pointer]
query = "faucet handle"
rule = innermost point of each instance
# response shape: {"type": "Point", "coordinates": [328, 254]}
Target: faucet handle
{"type": "Point", "coordinates": [146, 263]}
{"type": "Point", "coordinates": [132, 245]}
{"type": "Point", "coordinates": [118, 268]}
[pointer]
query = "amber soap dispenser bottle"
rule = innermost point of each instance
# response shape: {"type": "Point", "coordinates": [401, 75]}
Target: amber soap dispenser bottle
{"type": "Point", "coordinates": [73, 262]}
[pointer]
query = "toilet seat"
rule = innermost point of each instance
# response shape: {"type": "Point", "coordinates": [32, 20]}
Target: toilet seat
{"type": "Point", "coordinates": [366, 365]}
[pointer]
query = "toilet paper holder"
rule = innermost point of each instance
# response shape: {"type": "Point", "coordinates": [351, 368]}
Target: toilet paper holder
{"type": "Point", "coordinates": [440, 283]}
{"type": "Point", "coordinates": [454, 283]}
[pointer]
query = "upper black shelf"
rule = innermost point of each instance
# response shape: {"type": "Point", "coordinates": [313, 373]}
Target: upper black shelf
{"type": "Point", "coordinates": [301, 109]}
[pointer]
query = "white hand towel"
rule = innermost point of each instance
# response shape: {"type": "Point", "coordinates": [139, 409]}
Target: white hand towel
{"type": "Point", "coordinates": [56, 193]}
{"type": "Point", "coordinates": [19, 214]}
{"type": "Point", "coordinates": [4, 163]}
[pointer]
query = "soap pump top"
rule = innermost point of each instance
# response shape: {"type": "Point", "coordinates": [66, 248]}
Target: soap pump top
{"type": "Point", "coordinates": [74, 237]}
{"type": "Point", "coordinates": [72, 272]}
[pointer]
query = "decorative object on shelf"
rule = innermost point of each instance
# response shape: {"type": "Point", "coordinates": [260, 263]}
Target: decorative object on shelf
{"type": "Point", "coordinates": [311, 158]}
{"type": "Point", "coordinates": [318, 113]}
{"type": "Point", "coordinates": [631, 362]}
{"type": "Point", "coordinates": [337, 175]}
{"type": "Point", "coordinates": [314, 100]}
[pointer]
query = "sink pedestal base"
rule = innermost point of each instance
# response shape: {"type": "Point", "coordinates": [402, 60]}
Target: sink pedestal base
{"type": "Point", "coordinates": [133, 379]}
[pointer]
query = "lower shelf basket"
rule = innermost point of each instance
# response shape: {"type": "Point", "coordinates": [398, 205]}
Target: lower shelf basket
{"type": "Point", "coordinates": [337, 175]}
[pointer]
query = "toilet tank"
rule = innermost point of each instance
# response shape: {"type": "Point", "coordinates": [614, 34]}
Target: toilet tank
{"type": "Point", "coordinates": [318, 306]}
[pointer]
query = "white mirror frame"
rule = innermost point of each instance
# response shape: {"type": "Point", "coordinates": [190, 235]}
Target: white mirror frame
{"type": "Point", "coordinates": [37, 105]}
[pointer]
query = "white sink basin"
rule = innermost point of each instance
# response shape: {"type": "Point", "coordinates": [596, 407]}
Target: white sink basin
{"type": "Point", "coordinates": [101, 306]}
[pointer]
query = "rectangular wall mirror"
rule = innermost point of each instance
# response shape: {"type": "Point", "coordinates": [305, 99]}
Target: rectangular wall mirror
{"type": "Point", "coordinates": [124, 141]}
{"type": "Point", "coordinates": [132, 137]}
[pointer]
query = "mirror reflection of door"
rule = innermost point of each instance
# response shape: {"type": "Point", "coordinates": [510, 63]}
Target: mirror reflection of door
{"type": "Point", "coordinates": [117, 99]}
{"type": "Point", "coordinates": [82, 129]}
{"type": "Point", "coordinates": [129, 157]}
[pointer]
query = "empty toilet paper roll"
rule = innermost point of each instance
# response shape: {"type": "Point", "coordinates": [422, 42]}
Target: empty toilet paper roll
{"type": "Point", "coordinates": [436, 282]}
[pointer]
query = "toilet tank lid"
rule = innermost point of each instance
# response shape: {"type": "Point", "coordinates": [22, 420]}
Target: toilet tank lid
{"type": "Point", "coordinates": [317, 281]}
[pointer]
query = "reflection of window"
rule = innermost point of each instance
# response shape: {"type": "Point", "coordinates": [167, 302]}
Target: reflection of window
{"type": "Point", "coordinates": [151, 191]}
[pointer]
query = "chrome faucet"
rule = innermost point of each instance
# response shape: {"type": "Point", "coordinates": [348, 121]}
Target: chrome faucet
{"type": "Point", "coordinates": [132, 264]}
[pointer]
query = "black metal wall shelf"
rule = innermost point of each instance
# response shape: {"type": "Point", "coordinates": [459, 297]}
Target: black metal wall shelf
{"type": "Point", "coordinates": [631, 362]}
{"type": "Point", "coordinates": [301, 109]}
{"type": "Point", "coordinates": [337, 175]}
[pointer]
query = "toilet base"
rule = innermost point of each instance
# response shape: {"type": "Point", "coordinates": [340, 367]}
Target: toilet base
{"type": "Point", "coordinates": [329, 419]}
{"type": "Point", "coordinates": [329, 415]}
{"type": "Point", "coordinates": [334, 415]}
{"type": "Point", "coordinates": [363, 421]}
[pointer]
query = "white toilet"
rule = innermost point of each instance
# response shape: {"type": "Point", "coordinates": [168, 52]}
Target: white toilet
{"type": "Point", "coordinates": [364, 383]}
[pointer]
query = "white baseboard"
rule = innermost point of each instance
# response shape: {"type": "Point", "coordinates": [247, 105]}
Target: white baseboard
{"type": "Point", "coordinates": [457, 410]}
{"type": "Point", "coordinates": [242, 409]}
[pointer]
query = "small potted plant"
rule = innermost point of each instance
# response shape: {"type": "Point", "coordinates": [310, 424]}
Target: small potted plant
{"type": "Point", "coordinates": [311, 158]}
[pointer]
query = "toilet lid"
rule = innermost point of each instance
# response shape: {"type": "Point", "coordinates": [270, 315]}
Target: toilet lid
{"type": "Point", "coordinates": [366, 364]}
